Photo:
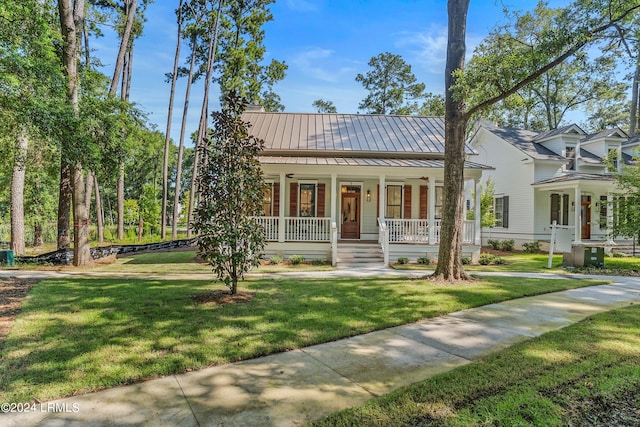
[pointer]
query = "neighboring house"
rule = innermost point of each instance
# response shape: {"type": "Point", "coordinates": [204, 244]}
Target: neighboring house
{"type": "Point", "coordinates": [342, 184]}
{"type": "Point", "coordinates": [559, 175]}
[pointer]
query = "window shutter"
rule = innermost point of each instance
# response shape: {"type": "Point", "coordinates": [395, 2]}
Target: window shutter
{"type": "Point", "coordinates": [505, 212]}
{"type": "Point", "coordinates": [555, 209]}
{"type": "Point", "coordinates": [565, 209]}
{"type": "Point", "coordinates": [293, 199]}
{"type": "Point", "coordinates": [424, 208]}
{"type": "Point", "coordinates": [407, 202]}
{"type": "Point", "coordinates": [321, 190]}
{"type": "Point", "coordinates": [276, 199]}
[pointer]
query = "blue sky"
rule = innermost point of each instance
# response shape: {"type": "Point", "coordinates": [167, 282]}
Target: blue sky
{"type": "Point", "coordinates": [325, 43]}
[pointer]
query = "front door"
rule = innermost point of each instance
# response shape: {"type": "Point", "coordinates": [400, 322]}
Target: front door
{"type": "Point", "coordinates": [350, 216]}
{"type": "Point", "coordinates": [585, 206]}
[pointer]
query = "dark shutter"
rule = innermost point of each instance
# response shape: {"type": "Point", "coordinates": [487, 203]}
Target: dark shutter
{"type": "Point", "coordinates": [424, 207]}
{"type": "Point", "coordinates": [565, 209]}
{"type": "Point", "coordinates": [321, 191]}
{"type": "Point", "coordinates": [293, 199]}
{"type": "Point", "coordinates": [555, 209]}
{"type": "Point", "coordinates": [276, 199]}
{"type": "Point", "coordinates": [407, 201]}
{"type": "Point", "coordinates": [505, 212]}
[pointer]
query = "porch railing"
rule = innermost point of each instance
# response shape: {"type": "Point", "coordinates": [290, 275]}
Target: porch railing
{"type": "Point", "coordinates": [270, 224]}
{"type": "Point", "coordinates": [417, 230]}
{"type": "Point", "coordinates": [297, 229]}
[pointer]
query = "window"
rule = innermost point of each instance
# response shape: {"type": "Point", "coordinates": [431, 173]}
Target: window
{"type": "Point", "coordinates": [394, 201]}
{"type": "Point", "coordinates": [267, 201]}
{"type": "Point", "coordinates": [560, 209]}
{"type": "Point", "coordinates": [570, 154]}
{"type": "Point", "coordinates": [501, 210]}
{"type": "Point", "coordinates": [603, 212]}
{"type": "Point", "coordinates": [438, 205]}
{"type": "Point", "coordinates": [307, 200]}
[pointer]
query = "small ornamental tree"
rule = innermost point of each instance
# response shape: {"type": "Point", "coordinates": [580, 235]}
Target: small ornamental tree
{"type": "Point", "coordinates": [231, 191]}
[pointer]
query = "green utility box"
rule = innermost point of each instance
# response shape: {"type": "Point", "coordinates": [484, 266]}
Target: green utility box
{"type": "Point", "coordinates": [593, 256]}
{"type": "Point", "coordinates": [6, 257]}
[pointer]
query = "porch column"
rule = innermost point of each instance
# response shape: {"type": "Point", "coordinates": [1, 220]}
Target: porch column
{"type": "Point", "coordinates": [610, 218]}
{"type": "Point", "coordinates": [382, 203]}
{"type": "Point", "coordinates": [432, 211]}
{"type": "Point", "coordinates": [283, 190]}
{"type": "Point", "coordinates": [334, 196]}
{"type": "Point", "coordinates": [577, 215]}
{"type": "Point", "coordinates": [477, 213]}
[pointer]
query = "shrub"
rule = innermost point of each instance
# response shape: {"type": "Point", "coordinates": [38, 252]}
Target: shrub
{"type": "Point", "coordinates": [495, 244]}
{"type": "Point", "coordinates": [318, 261]}
{"type": "Point", "coordinates": [506, 245]}
{"type": "Point", "coordinates": [403, 260]}
{"type": "Point", "coordinates": [498, 260]}
{"type": "Point", "coordinates": [619, 255]}
{"type": "Point", "coordinates": [531, 248]}
{"type": "Point", "coordinates": [423, 260]}
{"type": "Point", "coordinates": [466, 260]}
{"type": "Point", "coordinates": [296, 259]}
{"type": "Point", "coordinates": [275, 260]}
{"type": "Point", "coordinates": [486, 259]}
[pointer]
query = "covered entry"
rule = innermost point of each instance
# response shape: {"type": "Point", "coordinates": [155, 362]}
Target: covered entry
{"type": "Point", "coordinates": [350, 208]}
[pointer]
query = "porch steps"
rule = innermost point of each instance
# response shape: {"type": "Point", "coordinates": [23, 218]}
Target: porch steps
{"type": "Point", "coordinates": [359, 253]}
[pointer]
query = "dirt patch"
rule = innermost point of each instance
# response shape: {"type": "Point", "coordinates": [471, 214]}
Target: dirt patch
{"type": "Point", "coordinates": [222, 297]}
{"type": "Point", "coordinates": [12, 293]}
{"type": "Point", "coordinates": [623, 411]}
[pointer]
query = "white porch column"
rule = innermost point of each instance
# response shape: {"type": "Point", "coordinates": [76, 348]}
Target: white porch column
{"type": "Point", "coordinates": [432, 210]}
{"type": "Point", "coordinates": [610, 240]}
{"type": "Point", "coordinates": [476, 209]}
{"type": "Point", "coordinates": [334, 198]}
{"type": "Point", "coordinates": [283, 190]}
{"type": "Point", "coordinates": [382, 203]}
{"type": "Point", "coordinates": [577, 215]}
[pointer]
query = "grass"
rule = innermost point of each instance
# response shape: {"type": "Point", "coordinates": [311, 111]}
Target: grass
{"type": "Point", "coordinates": [585, 374]}
{"type": "Point", "coordinates": [516, 262]}
{"type": "Point", "coordinates": [77, 335]}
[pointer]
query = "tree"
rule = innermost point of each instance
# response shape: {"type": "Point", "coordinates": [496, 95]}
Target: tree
{"type": "Point", "coordinates": [323, 106]}
{"type": "Point", "coordinates": [432, 106]}
{"type": "Point", "coordinates": [231, 191]}
{"type": "Point", "coordinates": [392, 86]}
{"type": "Point", "coordinates": [494, 76]}
{"type": "Point", "coordinates": [626, 215]}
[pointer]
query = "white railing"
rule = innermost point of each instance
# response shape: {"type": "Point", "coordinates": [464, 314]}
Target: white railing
{"type": "Point", "coordinates": [334, 244]}
{"type": "Point", "coordinates": [270, 224]}
{"type": "Point", "coordinates": [469, 232]}
{"type": "Point", "coordinates": [408, 230]}
{"type": "Point", "coordinates": [307, 229]}
{"type": "Point", "coordinates": [383, 239]}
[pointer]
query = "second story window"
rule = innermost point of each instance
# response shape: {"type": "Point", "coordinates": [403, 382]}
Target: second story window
{"type": "Point", "coordinates": [570, 154]}
{"type": "Point", "coordinates": [612, 159]}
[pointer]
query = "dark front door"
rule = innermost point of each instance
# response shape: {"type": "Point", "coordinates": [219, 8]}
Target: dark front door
{"type": "Point", "coordinates": [585, 206]}
{"type": "Point", "coordinates": [350, 216]}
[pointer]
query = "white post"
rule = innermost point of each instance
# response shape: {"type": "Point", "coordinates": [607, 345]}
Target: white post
{"type": "Point", "coordinates": [283, 190]}
{"type": "Point", "coordinates": [385, 245]}
{"type": "Point", "coordinates": [432, 210]}
{"type": "Point", "coordinates": [610, 240]}
{"type": "Point", "coordinates": [334, 244]}
{"type": "Point", "coordinates": [477, 213]}
{"type": "Point", "coordinates": [382, 203]}
{"type": "Point", "coordinates": [334, 198]}
{"type": "Point", "coordinates": [577, 215]}
{"type": "Point", "coordinates": [554, 234]}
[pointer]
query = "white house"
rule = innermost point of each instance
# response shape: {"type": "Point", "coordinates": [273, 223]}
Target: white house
{"type": "Point", "coordinates": [559, 175]}
{"type": "Point", "coordinates": [352, 187]}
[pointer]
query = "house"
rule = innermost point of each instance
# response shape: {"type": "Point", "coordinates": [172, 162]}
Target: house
{"type": "Point", "coordinates": [559, 175]}
{"type": "Point", "coordinates": [352, 187]}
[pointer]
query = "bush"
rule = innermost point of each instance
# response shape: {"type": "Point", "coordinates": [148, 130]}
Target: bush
{"type": "Point", "coordinates": [619, 255]}
{"type": "Point", "coordinates": [318, 261]}
{"type": "Point", "coordinates": [495, 244]}
{"type": "Point", "coordinates": [486, 259]}
{"type": "Point", "coordinates": [466, 260]}
{"type": "Point", "coordinates": [507, 245]}
{"type": "Point", "coordinates": [531, 248]}
{"type": "Point", "coordinates": [296, 259]}
{"type": "Point", "coordinates": [403, 260]}
{"type": "Point", "coordinates": [498, 260]}
{"type": "Point", "coordinates": [423, 260]}
{"type": "Point", "coordinates": [275, 260]}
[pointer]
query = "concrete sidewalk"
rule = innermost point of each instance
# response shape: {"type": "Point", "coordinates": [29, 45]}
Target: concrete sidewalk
{"type": "Point", "coordinates": [295, 387]}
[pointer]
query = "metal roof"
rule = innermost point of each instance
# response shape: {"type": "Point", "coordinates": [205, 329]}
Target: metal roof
{"type": "Point", "coordinates": [358, 134]}
{"type": "Point", "coordinates": [523, 140]}
{"type": "Point", "coordinates": [358, 161]}
{"type": "Point", "coordinates": [576, 177]}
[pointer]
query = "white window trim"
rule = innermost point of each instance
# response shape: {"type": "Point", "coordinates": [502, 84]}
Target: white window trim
{"type": "Point", "coordinates": [315, 196]}
{"type": "Point", "coordinates": [386, 199]}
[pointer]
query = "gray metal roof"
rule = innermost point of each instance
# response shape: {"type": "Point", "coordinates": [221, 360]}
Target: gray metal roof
{"type": "Point", "coordinates": [607, 133]}
{"type": "Point", "coordinates": [559, 131]}
{"type": "Point", "coordinates": [363, 134]}
{"type": "Point", "coordinates": [523, 140]}
{"type": "Point", "coordinates": [358, 161]}
{"type": "Point", "coordinates": [576, 177]}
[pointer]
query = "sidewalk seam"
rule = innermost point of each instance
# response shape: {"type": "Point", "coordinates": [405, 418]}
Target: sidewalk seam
{"type": "Point", "coordinates": [184, 395]}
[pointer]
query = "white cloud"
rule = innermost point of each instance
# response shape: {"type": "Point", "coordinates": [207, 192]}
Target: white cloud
{"type": "Point", "coordinates": [316, 63]}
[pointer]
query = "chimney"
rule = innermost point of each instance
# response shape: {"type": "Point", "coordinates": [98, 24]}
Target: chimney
{"type": "Point", "coordinates": [254, 107]}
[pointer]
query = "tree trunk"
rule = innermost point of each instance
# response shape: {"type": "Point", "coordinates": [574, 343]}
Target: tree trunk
{"type": "Point", "coordinates": [64, 206]}
{"type": "Point", "coordinates": [124, 44]}
{"type": "Point", "coordinates": [633, 119]}
{"type": "Point", "coordinates": [99, 212]}
{"type": "Point", "coordinates": [167, 136]}
{"type": "Point", "coordinates": [450, 251]}
{"type": "Point", "coordinates": [120, 197]}
{"type": "Point", "coordinates": [17, 194]}
{"type": "Point", "coordinates": [185, 110]}
{"type": "Point", "coordinates": [81, 253]}
{"type": "Point", "coordinates": [38, 237]}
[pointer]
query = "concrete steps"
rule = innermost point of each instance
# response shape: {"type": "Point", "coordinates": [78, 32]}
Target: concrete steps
{"type": "Point", "coordinates": [357, 253]}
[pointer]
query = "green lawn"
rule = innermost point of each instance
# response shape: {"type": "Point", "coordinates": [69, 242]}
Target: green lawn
{"type": "Point", "coordinates": [516, 262]}
{"type": "Point", "coordinates": [587, 374]}
{"type": "Point", "coordinates": [77, 335]}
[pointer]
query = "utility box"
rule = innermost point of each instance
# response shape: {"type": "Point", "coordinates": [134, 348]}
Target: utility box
{"type": "Point", "coordinates": [6, 257]}
{"type": "Point", "coordinates": [585, 256]}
